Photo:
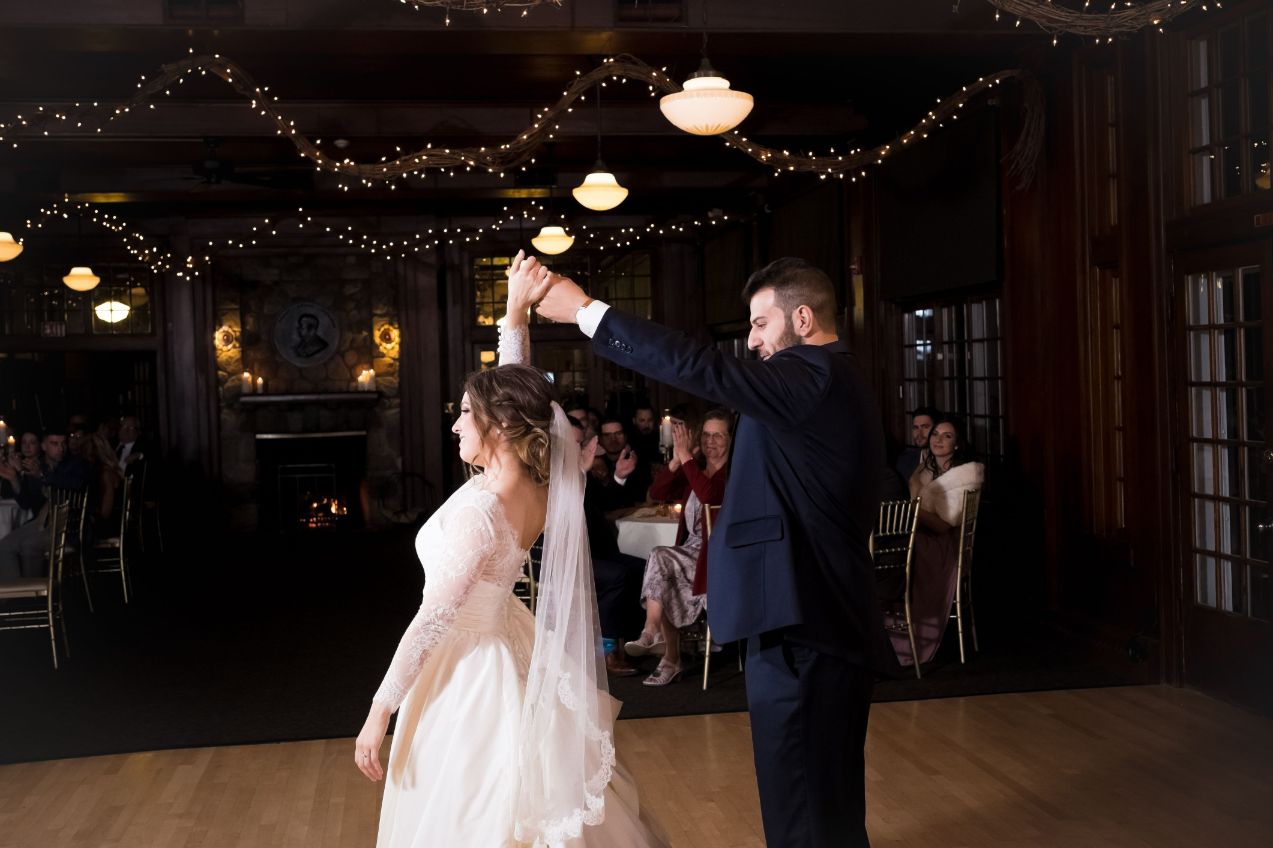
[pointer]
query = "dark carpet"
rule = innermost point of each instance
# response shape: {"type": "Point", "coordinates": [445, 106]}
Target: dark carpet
{"type": "Point", "coordinates": [250, 639]}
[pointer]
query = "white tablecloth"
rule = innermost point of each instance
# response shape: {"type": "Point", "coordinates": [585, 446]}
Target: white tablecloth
{"type": "Point", "coordinates": [9, 514]}
{"type": "Point", "coordinates": [638, 536]}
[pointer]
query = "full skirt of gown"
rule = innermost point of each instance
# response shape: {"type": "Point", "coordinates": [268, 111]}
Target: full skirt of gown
{"type": "Point", "coordinates": [452, 778]}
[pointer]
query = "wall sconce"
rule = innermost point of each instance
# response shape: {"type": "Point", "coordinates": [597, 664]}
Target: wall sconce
{"type": "Point", "coordinates": [225, 338]}
{"type": "Point", "coordinates": [388, 338]}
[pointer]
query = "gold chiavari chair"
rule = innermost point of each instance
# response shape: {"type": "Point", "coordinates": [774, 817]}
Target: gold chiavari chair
{"type": "Point", "coordinates": [892, 547]}
{"type": "Point", "coordinates": [22, 590]}
{"type": "Point", "coordinates": [76, 522]}
{"type": "Point", "coordinates": [963, 588]}
{"type": "Point", "coordinates": [710, 512]}
{"type": "Point", "coordinates": [527, 586]}
{"type": "Point", "coordinates": [110, 550]}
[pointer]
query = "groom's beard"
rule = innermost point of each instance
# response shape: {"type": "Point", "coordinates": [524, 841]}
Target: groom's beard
{"type": "Point", "coordinates": [788, 337]}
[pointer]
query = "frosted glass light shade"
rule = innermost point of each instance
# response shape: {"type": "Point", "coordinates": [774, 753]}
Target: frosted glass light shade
{"type": "Point", "coordinates": [111, 311]}
{"type": "Point", "coordinates": [599, 190]}
{"type": "Point", "coordinates": [552, 240]}
{"type": "Point", "coordinates": [9, 249]}
{"type": "Point", "coordinates": [707, 105]}
{"type": "Point", "coordinates": [81, 279]}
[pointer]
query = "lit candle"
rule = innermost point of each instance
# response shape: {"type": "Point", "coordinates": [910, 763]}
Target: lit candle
{"type": "Point", "coordinates": [260, 385]}
{"type": "Point", "coordinates": [665, 432]}
{"type": "Point", "coordinates": [4, 429]}
{"type": "Point", "coordinates": [362, 380]}
{"type": "Point", "coordinates": [371, 379]}
{"type": "Point", "coordinates": [245, 383]}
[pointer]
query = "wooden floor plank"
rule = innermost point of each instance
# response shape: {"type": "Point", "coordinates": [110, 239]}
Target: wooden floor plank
{"type": "Point", "coordinates": [1132, 767]}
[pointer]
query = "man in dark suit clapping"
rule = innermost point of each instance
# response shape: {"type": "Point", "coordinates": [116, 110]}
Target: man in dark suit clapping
{"type": "Point", "coordinates": [789, 565]}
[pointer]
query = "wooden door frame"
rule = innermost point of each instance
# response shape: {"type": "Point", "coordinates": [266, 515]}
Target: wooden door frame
{"type": "Point", "coordinates": [1224, 641]}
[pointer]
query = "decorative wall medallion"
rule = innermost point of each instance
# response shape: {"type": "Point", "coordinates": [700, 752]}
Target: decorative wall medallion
{"type": "Point", "coordinates": [306, 334]}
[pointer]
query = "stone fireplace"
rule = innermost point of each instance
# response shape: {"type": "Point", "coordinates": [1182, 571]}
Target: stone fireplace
{"type": "Point", "coordinates": [298, 426]}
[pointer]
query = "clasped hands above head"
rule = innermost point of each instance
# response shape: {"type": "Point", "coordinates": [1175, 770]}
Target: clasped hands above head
{"type": "Point", "coordinates": [553, 296]}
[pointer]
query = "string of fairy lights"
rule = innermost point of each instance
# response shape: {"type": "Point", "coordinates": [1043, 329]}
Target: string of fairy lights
{"type": "Point", "coordinates": [1103, 20]}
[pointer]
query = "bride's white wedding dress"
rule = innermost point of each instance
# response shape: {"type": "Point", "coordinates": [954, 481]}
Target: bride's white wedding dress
{"type": "Point", "coordinates": [458, 681]}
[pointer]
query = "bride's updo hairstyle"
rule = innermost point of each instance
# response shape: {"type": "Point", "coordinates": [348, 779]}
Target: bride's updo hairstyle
{"type": "Point", "coordinates": [515, 400]}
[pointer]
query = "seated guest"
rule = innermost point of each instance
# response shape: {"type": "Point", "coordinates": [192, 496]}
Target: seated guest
{"type": "Point", "coordinates": [939, 483]}
{"type": "Point", "coordinates": [645, 432]}
{"type": "Point", "coordinates": [22, 551]}
{"type": "Point", "coordinates": [912, 456]}
{"type": "Point", "coordinates": [105, 485]}
{"type": "Point", "coordinates": [132, 446]}
{"type": "Point", "coordinates": [27, 457]}
{"type": "Point", "coordinates": [631, 470]}
{"type": "Point", "coordinates": [674, 590]}
{"type": "Point", "coordinates": [615, 575]}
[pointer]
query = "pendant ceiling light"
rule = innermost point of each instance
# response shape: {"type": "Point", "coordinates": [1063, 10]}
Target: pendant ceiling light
{"type": "Point", "coordinates": [599, 190]}
{"type": "Point", "coordinates": [706, 105]}
{"type": "Point", "coordinates": [9, 249]}
{"type": "Point", "coordinates": [552, 240]}
{"type": "Point", "coordinates": [112, 311]}
{"type": "Point", "coordinates": [81, 278]}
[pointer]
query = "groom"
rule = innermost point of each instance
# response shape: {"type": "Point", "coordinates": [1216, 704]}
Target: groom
{"type": "Point", "coordinates": [788, 566]}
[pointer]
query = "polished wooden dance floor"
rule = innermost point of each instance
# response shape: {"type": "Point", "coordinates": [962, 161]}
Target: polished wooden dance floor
{"type": "Point", "coordinates": [1128, 767]}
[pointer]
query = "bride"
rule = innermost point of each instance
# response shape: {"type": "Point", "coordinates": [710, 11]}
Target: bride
{"type": "Point", "coordinates": [504, 734]}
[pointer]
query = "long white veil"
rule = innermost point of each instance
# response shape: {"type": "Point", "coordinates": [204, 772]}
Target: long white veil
{"type": "Point", "coordinates": [566, 755]}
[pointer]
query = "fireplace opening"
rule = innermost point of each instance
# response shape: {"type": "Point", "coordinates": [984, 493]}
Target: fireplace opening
{"type": "Point", "coordinates": [310, 481]}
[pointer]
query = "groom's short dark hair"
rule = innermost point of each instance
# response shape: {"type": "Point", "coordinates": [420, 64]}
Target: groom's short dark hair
{"type": "Point", "coordinates": [796, 283]}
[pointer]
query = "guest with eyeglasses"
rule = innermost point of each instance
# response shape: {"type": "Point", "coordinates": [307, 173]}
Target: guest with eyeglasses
{"type": "Point", "coordinates": [674, 590]}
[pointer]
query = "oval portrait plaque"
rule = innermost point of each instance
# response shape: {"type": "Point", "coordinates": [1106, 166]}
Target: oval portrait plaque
{"type": "Point", "coordinates": [306, 334]}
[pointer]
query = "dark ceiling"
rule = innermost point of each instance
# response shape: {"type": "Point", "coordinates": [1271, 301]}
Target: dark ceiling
{"type": "Point", "coordinates": [374, 72]}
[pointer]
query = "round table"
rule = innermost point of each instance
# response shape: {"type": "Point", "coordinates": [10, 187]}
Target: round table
{"type": "Point", "coordinates": [639, 536]}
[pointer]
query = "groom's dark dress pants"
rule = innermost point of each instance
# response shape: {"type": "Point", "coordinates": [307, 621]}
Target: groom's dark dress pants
{"type": "Point", "coordinates": [808, 729]}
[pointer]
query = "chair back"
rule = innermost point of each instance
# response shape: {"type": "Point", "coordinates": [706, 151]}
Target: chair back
{"type": "Point", "coordinates": [710, 513]}
{"type": "Point", "coordinates": [58, 522]}
{"type": "Point", "coordinates": [968, 530]}
{"type": "Point", "coordinates": [76, 501]}
{"type": "Point", "coordinates": [131, 494]}
{"type": "Point", "coordinates": [894, 538]}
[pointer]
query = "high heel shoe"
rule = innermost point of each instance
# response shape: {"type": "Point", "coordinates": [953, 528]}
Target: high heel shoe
{"type": "Point", "coordinates": [663, 675]}
{"type": "Point", "coordinates": [648, 643]}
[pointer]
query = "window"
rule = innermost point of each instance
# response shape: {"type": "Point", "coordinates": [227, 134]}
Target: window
{"type": "Point", "coordinates": [1229, 101]}
{"type": "Point", "coordinates": [624, 282]}
{"type": "Point", "coordinates": [180, 11]}
{"type": "Point", "coordinates": [490, 283]}
{"type": "Point", "coordinates": [1227, 440]}
{"type": "Point", "coordinates": [44, 306]}
{"type": "Point", "coordinates": [1104, 435]}
{"type": "Point", "coordinates": [951, 359]}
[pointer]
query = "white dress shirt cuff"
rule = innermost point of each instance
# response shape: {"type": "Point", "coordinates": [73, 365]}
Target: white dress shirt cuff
{"type": "Point", "coordinates": [590, 317]}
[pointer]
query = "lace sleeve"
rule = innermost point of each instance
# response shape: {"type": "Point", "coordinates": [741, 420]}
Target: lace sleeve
{"type": "Point", "coordinates": [469, 538]}
{"type": "Point", "coordinates": [514, 344]}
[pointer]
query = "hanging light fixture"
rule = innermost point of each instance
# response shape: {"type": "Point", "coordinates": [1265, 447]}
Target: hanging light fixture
{"type": "Point", "coordinates": [9, 249]}
{"type": "Point", "coordinates": [81, 278]}
{"type": "Point", "coordinates": [706, 105]}
{"type": "Point", "coordinates": [599, 190]}
{"type": "Point", "coordinates": [552, 239]}
{"type": "Point", "coordinates": [112, 311]}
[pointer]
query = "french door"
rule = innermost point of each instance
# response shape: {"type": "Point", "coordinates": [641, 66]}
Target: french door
{"type": "Point", "coordinates": [1227, 463]}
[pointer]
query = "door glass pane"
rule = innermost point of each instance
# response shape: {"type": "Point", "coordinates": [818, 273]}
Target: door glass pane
{"type": "Point", "coordinates": [1257, 102]}
{"type": "Point", "coordinates": [1204, 521]}
{"type": "Point", "coordinates": [1202, 400]}
{"type": "Point", "coordinates": [1255, 539]}
{"type": "Point", "coordinates": [1226, 414]}
{"type": "Point", "coordinates": [1225, 595]}
{"type": "Point", "coordinates": [1230, 109]}
{"type": "Point", "coordinates": [1230, 480]}
{"type": "Point", "coordinates": [1224, 298]}
{"type": "Point", "coordinates": [1257, 41]}
{"type": "Point", "coordinates": [1254, 466]}
{"type": "Point", "coordinates": [1199, 308]}
{"type": "Point", "coordinates": [1259, 592]}
{"type": "Point", "coordinates": [1231, 169]}
{"type": "Point", "coordinates": [1200, 356]}
{"type": "Point", "coordinates": [1253, 354]}
{"type": "Point", "coordinates": [1230, 529]}
{"type": "Point", "coordinates": [1260, 162]}
{"type": "Point", "coordinates": [1204, 481]}
{"type": "Point", "coordinates": [1254, 402]}
{"type": "Point", "coordinates": [1251, 295]}
{"type": "Point", "coordinates": [1205, 571]}
{"type": "Point", "coordinates": [1230, 52]}
{"type": "Point", "coordinates": [1226, 355]}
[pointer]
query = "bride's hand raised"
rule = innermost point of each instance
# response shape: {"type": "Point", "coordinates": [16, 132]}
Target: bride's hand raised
{"type": "Point", "coordinates": [527, 284]}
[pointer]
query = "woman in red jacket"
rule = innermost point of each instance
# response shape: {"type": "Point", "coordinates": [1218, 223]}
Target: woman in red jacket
{"type": "Point", "coordinates": [675, 586]}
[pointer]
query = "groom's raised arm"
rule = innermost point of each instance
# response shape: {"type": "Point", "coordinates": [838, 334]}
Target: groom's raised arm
{"type": "Point", "coordinates": [782, 390]}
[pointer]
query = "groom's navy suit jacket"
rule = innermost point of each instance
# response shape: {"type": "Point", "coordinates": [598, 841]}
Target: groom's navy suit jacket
{"type": "Point", "coordinates": [789, 551]}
